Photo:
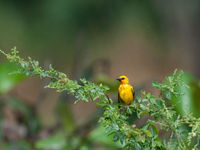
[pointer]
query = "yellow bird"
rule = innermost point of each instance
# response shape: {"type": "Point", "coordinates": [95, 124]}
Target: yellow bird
{"type": "Point", "coordinates": [125, 91]}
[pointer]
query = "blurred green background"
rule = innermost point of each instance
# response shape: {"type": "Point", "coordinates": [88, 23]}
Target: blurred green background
{"type": "Point", "coordinates": [98, 40]}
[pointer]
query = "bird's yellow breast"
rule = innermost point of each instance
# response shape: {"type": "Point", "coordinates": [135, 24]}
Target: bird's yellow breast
{"type": "Point", "coordinates": [126, 93]}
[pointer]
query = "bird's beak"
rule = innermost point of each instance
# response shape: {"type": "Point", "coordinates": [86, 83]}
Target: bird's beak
{"type": "Point", "coordinates": [119, 79]}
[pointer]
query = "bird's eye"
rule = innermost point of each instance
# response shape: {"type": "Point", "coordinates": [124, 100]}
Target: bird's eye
{"type": "Point", "coordinates": [122, 78]}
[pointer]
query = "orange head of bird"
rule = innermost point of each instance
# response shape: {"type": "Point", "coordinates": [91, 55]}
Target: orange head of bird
{"type": "Point", "coordinates": [123, 80]}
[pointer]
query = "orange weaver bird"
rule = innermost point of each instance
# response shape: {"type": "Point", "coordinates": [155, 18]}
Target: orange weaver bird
{"type": "Point", "coordinates": [125, 91]}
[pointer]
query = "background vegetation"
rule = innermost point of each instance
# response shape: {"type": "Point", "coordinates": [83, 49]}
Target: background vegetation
{"type": "Point", "coordinates": [145, 40]}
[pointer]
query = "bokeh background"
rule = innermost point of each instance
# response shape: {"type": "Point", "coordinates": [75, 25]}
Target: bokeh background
{"type": "Point", "coordinates": [98, 40]}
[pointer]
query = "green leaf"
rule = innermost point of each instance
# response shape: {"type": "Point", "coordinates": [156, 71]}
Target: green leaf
{"type": "Point", "coordinates": [138, 146]}
{"type": "Point", "coordinates": [115, 126]}
{"type": "Point", "coordinates": [155, 84]}
{"type": "Point", "coordinates": [116, 137]}
{"type": "Point", "coordinates": [154, 130]}
{"type": "Point", "coordinates": [188, 101]}
{"type": "Point", "coordinates": [7, 80]}
{"type": "Point", "coordinates": [158, 142]}
{"type": "Point", "coordinates": [122, 138]}
{"type": "Point", "coordinates": [148, 133]}
{"type": "Point", "coordinates": [148, 95]}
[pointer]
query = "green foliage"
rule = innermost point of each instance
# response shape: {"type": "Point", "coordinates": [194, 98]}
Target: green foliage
{"type": "Point", "coordinates": [54, 142]}
{"type": "Point", "coordinates": [8, 81]}
{"type": "Point", "coordinates": [184, 131]}
{"type": "Point", "coordinates": [169, 87]}
{"type": "Point", "coordinates": [189, 101]}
